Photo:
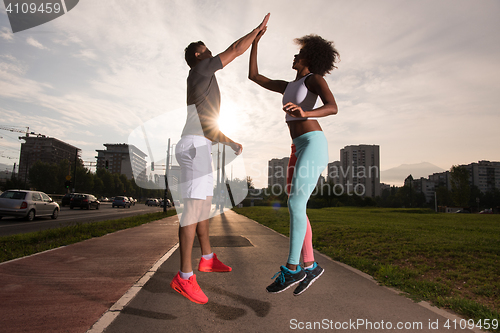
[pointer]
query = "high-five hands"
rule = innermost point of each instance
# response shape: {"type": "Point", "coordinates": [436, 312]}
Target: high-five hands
{"type": "Point", "coordinates": [264, 22]}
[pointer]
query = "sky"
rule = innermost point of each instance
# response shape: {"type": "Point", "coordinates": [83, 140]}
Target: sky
{"type": "Point", "coordinates": [421, 79]}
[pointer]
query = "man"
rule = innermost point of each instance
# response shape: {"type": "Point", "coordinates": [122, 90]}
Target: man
{"type": "Point", "coordinates": [193, 152]}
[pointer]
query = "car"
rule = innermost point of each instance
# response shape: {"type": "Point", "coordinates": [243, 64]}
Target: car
{"type": "Point", "coordinates": [121, 202]}
{"type": "Point", "coordinates": [66, 199]}
{"type": "Point", "coordinates": [104, 199]}
{"type": "Point", "coordinates": [86, 201]}
{"type": "Point", "coordinates": [27, 204]}
{"type": "Point", "coordinates": [132, 201]}
{"type": "Point", "coordinates": [152, 202]}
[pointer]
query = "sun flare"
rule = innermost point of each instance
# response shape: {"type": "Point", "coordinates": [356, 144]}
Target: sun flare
{"type": "Point", "coordinates": [228, 122]}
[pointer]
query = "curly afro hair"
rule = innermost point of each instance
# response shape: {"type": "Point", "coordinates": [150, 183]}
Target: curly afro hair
{"type": "Point", "coordinates": [319, 53]}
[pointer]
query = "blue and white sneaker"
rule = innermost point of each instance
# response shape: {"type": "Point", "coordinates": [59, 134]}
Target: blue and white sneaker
{"type": "Point", "coordinates": [311, 275]}
{"type": "Point", "coordinates": [286, 278]}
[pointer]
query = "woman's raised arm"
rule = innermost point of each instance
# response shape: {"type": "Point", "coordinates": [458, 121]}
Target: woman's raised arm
{"type": "Point", "coordinates": [253, 70]}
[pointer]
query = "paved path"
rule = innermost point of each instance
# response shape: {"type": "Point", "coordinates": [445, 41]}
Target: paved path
{"type": "Point", "coordinates": [343, 299]}
{"type": "Point", "coordinates": [112, 284]}
{"type": "Point", "coordinates": [68, 289]}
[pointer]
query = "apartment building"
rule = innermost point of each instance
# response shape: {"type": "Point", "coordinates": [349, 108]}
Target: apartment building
{"type": "Point", "coordinates": [360, 169]}
{"type": "Point", "coordinates": [334, 173]}
{"type": "Point", "coordinates": [485, 175]}
{"type": "Point", "coordinates": [276, 173]}
{"type": "Point", "coordinates": [123, 159]}
{"type": "Point", "coordinates": [45, 149]}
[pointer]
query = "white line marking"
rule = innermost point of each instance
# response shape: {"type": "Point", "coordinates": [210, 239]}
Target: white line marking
{"type": "Point", "coordinates": [109, 316]}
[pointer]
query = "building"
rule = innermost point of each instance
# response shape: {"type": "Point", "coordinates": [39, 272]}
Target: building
{"type": "Point", "coordinates": [334, 173]}
{"type": "Point", "coordinates": [174, 178]}
{"type": "Point", "coordinates": [123, 159]}
{"type": "Point", "coordinates": [441, 179]}
{"type": "Point", "coordinates": [276, 174]}
{"type": "Point", "coordinates": [485, 175]}
{"type": "Point", "coordinates": [425, 186]}
{"type": "Point", "coordinates": [44, 149]}
{"type": "Point", "coordinates": [360, 170]}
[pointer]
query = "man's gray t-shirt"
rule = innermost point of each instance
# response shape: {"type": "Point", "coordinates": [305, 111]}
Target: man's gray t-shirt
{"type": "Point", "coordinates": [203, 92]}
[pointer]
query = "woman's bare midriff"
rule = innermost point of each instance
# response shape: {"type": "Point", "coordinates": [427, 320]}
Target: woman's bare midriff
{"type": "Point", "coordinates": [299, 127]}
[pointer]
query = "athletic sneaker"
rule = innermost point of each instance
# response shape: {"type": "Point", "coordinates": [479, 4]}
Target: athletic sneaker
{"type": "Point", "coordinates": [213, 265]}
{"type": "Point", "coordinates": [285, 279]}
{"type": "Point", "coordinates": [311, 275]}
{"type": "Point", "coordinates": [189, 289]}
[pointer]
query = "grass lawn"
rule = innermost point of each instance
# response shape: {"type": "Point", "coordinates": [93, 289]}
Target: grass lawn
{"type": "Point", "coordinates": [450, 260]}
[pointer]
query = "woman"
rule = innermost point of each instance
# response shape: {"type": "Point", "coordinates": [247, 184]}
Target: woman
{"type": "Point", "coordinates": [309, 149]}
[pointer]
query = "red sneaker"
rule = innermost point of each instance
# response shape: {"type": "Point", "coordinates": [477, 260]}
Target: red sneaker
{"type": "Point", "coordinates": [189, 289]}
{"type": "Point", "coordinates": [213, 265]}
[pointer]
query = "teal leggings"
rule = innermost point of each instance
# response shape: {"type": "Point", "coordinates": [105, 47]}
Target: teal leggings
{"type": "Point", "coordinates": [312, 159]}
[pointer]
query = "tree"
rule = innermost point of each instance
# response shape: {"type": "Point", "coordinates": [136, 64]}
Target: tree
{"type": "Point", "coordinates": [108, 182]}
{"type": "Point", "coordinates": [43, 177]}
{"type": "Point", "coordinates": [460, 188]}
{"type": "Point", "coordinates": [250, 182]}
{"type": "Point", "coordinates": [443, 196]}
{"type": "Point", "coordinates": [406, 195]}
{"type": "Point", "coordinates": [491, 199]}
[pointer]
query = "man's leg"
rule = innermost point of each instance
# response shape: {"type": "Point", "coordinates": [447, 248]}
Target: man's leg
{"type": "Point", "coordinates": [190, 221]}
{"type": "Point", "coordinates": [208, 261]}
{"type": "Point", "coordinates": [202, 228]}
{"type": "Point", "coordinates": [185, 282]}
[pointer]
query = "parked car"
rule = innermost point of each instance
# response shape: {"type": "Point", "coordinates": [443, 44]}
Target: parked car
{"type": "Point", "coordinates": [132, 201]}
{"type": "Point", "coordinates": [66, 200]}
{"type": "Point", "coordinates": [121, 202]}
{"type": "Point", "coordinates": [104, 199]}
{"type": "Point", "coordinates": [27, 204]}
{"type": "Point", "coordinates": [86, 201]}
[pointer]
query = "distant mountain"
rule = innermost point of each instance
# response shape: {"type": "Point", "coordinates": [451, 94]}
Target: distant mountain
{"type": "Point", "coordinates": [396, 176]}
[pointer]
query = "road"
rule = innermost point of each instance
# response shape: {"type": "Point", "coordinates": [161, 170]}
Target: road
{"type": "Point", "coordinates": [12, 226]}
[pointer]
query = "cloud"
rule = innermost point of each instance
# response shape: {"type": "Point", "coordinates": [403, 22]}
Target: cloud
{"type": "Point", "coordinates": [418, 78]}
{"type": "Point", "coordinates": [33, 42]}
{"type": "Point", "coordinates": [86, 54]}
{"type": "Point", "coordinates": [6, 34]}
{"type": "Point", "coordinates": [9, 64]}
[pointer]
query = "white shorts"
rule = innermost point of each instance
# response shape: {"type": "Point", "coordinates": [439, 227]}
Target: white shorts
{"type": "Point", "coordinates": [194, 155]}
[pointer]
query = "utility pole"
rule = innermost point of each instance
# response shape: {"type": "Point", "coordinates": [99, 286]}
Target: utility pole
{"type": "Point", "coordinates": [223, 179]}
{"type": "Point", "coordinates": [74, 172]}
{"type": "Point", "coordinates": [165, 196]}
{"type": "Point", "coordinates": [217, 187]}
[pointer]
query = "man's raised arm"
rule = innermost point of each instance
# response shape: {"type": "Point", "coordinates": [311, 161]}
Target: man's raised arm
{"type": "Point", "coordinates": [241, 45]}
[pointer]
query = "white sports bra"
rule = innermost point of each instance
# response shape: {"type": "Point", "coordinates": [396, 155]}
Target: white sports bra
{"type": "Point", "coordinates": [297, 93]}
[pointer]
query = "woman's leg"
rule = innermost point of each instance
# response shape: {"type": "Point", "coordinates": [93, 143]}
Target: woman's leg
{"type": "Point", "coordinates": [312, 159]}
{"type": "Point", "coordinates": [307, 248]}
